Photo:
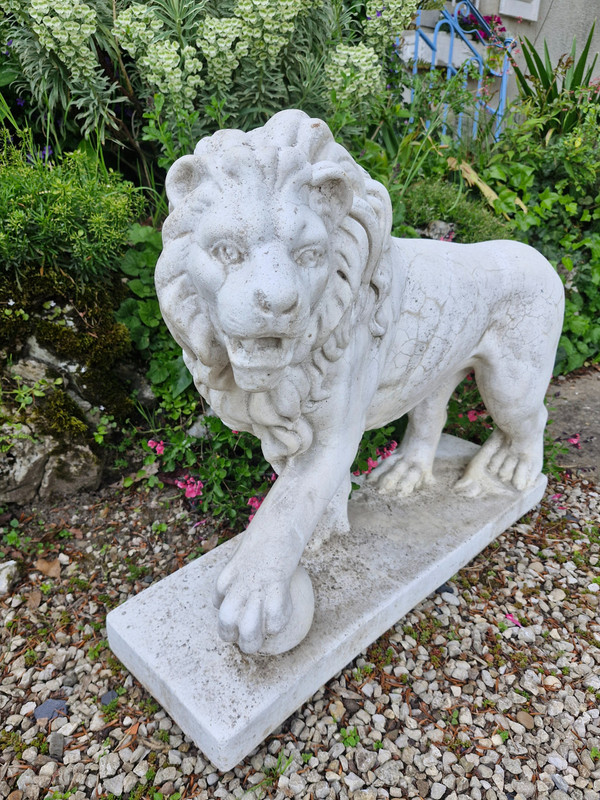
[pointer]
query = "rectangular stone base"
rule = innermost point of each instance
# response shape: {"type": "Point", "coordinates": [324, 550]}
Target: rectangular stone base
{"type": "Point", "coordinates": [397, 553]}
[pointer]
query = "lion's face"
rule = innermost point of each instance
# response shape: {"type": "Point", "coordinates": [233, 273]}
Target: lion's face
{"type": "Point", "coordinates": [262, 266]}
{"type": "Point", "coordinates": [272, 242]}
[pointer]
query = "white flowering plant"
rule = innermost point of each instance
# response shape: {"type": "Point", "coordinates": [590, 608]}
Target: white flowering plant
{"type": "Point", "coordinates": [153, 76]}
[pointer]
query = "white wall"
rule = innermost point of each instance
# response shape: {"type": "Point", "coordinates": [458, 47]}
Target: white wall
{"type": "Point", "coordinates": [558, 22]}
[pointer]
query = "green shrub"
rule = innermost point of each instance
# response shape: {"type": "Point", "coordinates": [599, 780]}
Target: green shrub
{"type": "Point", "coordinates": [67, 220]}
{"type": "Point", "coordinates": [549, 90]}
{"type": "Point", "coordinates": [426, 201]}
{"type": "Point", "coordinates": [549, 185]}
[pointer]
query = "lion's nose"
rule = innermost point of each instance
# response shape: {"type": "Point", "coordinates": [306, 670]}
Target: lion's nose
{"type": "Point", "coordinates": [277, 303]}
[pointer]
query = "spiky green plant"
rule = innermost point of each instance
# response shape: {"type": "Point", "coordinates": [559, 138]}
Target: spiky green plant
{"type": "Point", "coordinates": [545, 87]}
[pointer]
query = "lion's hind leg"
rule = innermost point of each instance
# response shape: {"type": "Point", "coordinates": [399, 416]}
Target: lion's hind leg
{"type": "Point", "coordinates": [514, 453]}
{"type": "Point", "coordinates": [411, 467]}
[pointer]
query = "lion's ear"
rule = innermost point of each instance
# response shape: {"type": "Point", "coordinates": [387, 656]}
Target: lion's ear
{"type": "Point", "coordinates": [331, 194]}
{"type": "Point", "coordinates": [182, 178]}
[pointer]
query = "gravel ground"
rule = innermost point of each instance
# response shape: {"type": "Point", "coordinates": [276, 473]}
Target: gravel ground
{"type": "Point", "coordinates": [489, 689]}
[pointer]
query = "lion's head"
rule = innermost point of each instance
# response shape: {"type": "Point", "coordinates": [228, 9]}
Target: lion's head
{"type": "Point", "coordinates": [272, 253]}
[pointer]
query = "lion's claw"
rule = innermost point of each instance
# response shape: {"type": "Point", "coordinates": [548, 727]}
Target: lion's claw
{"type": "Point", "coordinates": [250, 608]}
{"type": "Point", "coordinates": [401, 476]}
{"type": "Point", "coordinates": [498, 458]}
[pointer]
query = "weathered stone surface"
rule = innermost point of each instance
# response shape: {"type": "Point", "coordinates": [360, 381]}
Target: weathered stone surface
{"type": "Point", "coordinates": [406, 547]}
{"type": "Point", "coordinates": [39, 466]}
{"type": "Point", "coordinates": [22, 468]}
{"type": "Point", "coordinates": [303, 321]}
{"type": "Point", "coordinates": [56, 745]}
{"type": "Point", "coordinates": [50, 709]}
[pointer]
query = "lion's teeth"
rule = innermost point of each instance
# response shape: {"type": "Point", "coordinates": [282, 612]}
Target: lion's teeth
{"type": "Point", "coordinates": [268, 343]}
{"type": "Point", "coordinates": [250, 346]}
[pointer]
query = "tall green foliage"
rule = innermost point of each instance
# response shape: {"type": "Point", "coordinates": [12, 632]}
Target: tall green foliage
{"type": "Point", "coordinates": [159, 74]}
{"type": "Point", "coordinates": [548, 185]}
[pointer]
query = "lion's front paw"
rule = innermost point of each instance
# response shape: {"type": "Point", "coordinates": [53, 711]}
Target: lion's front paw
{"type": "Point", "coordinates": [263, 613]}
{"type": "Point", "coordinates": [401, 475]}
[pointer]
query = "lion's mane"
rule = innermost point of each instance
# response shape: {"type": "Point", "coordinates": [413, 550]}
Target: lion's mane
{"type": "Point", "coordinates": [287, 151]}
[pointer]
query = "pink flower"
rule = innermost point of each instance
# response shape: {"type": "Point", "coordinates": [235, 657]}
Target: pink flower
{"type": "Point", "coordinates": [160, 448]}
{"type": "Point", "coordinates": [472, 415]}
{"type": "Point", "coordinates": [152, 444]}
{"type": "Point", "coordinates": [387, 450]}
{"type": "Point", "coordinates": [574, 440]}
{"type": "Point", "coordinates": [194, 489]}
{"type": "Point", "coordinates": [255, 503]}
{"type": "Point", "coordinates": [191, 487]}
{"type": "Point", "coordinates": [514, 620]}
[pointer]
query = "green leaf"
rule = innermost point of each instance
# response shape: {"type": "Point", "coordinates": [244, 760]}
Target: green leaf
{"type": "Point", "coordinates": [140, 337]}
{"type": "Point", "coordinates": [575, 74]}
{"type": "Point", "coordinates": [131, 263]}
{"type": "Point", "coordinates": [524, 87]}
{"type": "Point", "coordinates": [141, 288]}
{"type": "Point", "coordinates": [8, 75]}
{"type": "Point", "coordinates": [149, 312]}
{"type": "Point", "coordinates": [143, 234]}
{"type": "Point", "coordinates": [578, 325]}
{"type": "Point", "coordinates": [183, 379]}
{"type": "Point", "coordinates": [158, 372]}
{"type": "Point", "coordinates": [127, 310]}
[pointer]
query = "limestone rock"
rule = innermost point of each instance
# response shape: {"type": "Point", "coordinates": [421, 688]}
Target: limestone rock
{"type": "Point", "coordinates": [40, 466]}
{"type": "Point", "coordinates": [8, 574]}
{"type": "Point", "coordinates": [70, 472]}
{"type": "Point", "coordinates": [22, 468]}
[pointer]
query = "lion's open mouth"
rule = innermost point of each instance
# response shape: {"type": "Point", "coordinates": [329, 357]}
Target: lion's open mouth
{"type": "Point", "coordinates": [262, 352]}
{"type": "Point", "coordinates": [252, 346]}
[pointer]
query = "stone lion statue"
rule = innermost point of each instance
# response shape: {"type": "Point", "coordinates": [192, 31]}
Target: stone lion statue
{"type": "Point", "coordinates": [303, 321]}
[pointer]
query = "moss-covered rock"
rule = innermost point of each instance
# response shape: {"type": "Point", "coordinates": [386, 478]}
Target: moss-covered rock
{"type": "Point", "coordinates": [61, 417]}
{"type": "Point", "coordinates": [62, 352]}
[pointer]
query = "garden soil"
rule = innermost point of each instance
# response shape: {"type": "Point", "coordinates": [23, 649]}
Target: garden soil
{"type": "Point", "coordinates": [574, 411]}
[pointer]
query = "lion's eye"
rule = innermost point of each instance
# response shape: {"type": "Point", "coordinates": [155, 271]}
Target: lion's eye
{"type": "Point", "coordinates": [309, 256]}
{"type": "Point", "coordinates": [227, 253]}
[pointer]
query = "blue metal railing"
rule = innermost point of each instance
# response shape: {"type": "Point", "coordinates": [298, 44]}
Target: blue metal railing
{"type": "Point", "coordinates": [475, 66]}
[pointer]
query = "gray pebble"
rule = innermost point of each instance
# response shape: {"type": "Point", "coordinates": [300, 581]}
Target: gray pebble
{"type": "Point", "coordinates": [437, 791]}
{"type": "Point", "coordinates": [115, 785]}
{"type": "Point", "coordinates": [56, 745]}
